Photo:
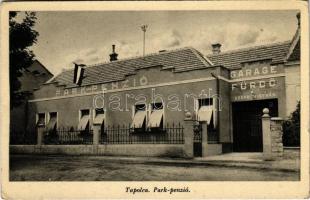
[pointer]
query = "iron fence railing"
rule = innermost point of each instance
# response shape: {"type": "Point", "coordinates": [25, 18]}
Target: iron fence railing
{"type": "Point", "coordinates": [68, 136]}
{"type": "Point", "coordinates": [170, 134]}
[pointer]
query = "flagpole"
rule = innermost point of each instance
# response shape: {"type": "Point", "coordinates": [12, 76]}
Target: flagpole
{"type": "Point", "coordinates": [143, 28]}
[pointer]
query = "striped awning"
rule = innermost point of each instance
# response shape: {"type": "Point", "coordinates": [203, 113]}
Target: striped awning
{"type": "Point", "coordinates": [155, 118]}
{"type": "Point", "coordinates": [205, 113]}
{"type": "Point", "coordinates": [52, 123]}
{"type": "Point", "coordinates": [41, 120]}
{"type": "Point", "coordinates": [83, 122]}
{"type": "Point", "coordinates": [99, 118]}
{"type": "Point", "coordinates": [138, 119]}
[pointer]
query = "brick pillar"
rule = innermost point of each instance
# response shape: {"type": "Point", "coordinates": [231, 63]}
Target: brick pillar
{"type": "Point", "coordinates": [204, 141]}
{"type": "Point", "coordinates": [276, 137]}
{"type": "Point", "coordinates": [188, 136]}
{"type": "Point", "coordinates": [96, 133]}
{"type": "Point", "coordinates": [40, 132]}
{"type": "Point", "coordinates": [266, 135]}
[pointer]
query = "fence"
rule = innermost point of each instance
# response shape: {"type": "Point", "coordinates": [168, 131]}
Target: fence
{"type": "Point", "coordinates": [23, 138]}
{"type": "Point", "coordinates": [213, 137]}
{"type": "Point", "coordinates": [126, 135]}
{"type": "Point", "coordinates": [68, 136]}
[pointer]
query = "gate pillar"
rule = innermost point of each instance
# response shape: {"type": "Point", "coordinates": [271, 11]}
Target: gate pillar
{"type": "Point", "coordinates": [96, 133]}
{"type": "Point", "coordinates": [266, 135]}
{"type": "Point", "coordinates": [188, 136]}
{"type": "Point", "coordinates": [40, 132]}
{"type": "Point", "coordinates": [204, 141]}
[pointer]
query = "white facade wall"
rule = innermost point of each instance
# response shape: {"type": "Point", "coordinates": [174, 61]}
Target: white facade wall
{"type": "Point", "coordinates": [292, 86]}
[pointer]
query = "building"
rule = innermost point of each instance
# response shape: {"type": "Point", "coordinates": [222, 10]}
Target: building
{"type": "Point", "coordinates": [228, 90]}
{"type": "Point", "coordinates": [32, 77]}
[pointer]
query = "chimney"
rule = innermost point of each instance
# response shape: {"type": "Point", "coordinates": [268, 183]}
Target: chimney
{"type": "Point", "coordinates": [216, 48]}
{"type": "Point", "coordinates": [78, 73]}
{"type": "Point", "coordinates": [113, 55]}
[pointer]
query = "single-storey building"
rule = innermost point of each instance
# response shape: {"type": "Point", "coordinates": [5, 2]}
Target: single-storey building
{"type": "Point", "coordinates": [228, 90]}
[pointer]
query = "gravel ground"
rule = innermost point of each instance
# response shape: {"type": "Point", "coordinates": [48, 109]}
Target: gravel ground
{"type": "Point", "coordinates": [92, 168]}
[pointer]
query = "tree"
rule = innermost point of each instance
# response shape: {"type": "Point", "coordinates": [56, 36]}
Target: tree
{"type": "Point", "coordinates": [22, 37]}
{"type": "Point", "coordinates": [291, 129]}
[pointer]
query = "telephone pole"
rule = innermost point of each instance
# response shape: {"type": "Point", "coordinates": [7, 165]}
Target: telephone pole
{"type": "Point", "coordinates": [143, 28]}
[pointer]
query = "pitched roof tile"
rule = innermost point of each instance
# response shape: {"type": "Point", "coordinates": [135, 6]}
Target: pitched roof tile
{"type": "Point", "coordinates": [179, 60]}
{"type": "Point", "coordinates": [233, 59]}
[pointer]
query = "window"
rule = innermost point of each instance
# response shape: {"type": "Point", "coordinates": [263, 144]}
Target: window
{"type": "Point", "coordinates": [206, 110]}
{"type": "Point", "coordinates": [99, 116]}
{"type": "Point", "coordinates": [52, 123]}
{"type": "Point", "coordinates": [84, 120]}
{"type": "Point", "coordinates": [41, 119]}
{"type": "Point", "coordinates": [139, 118]}
{"type": "Point", "coordinates": [156, 117]}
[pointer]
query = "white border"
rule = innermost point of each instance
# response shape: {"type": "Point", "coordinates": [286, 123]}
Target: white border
{"type": "Point", "coordinates": [116, 190]}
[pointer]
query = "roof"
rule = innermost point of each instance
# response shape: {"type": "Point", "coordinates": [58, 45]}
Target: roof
{"type": "Point", "coordinates": [232, 59]}
{"type": "Point", "coordinates": [34, 76]}
{"type": "Point", "coordinates": [179, 60]}
{"type": "Point", "coordinates": [294, 50]}
{"type": "Point", "coordinates": [43, 67]}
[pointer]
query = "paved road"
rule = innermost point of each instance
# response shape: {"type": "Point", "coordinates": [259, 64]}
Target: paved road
{"type": "Point", "coordinates": [91, 168]}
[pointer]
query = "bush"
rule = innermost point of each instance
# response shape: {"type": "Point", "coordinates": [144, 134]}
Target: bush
{"type": "Point", "coordinates": [291, 129]}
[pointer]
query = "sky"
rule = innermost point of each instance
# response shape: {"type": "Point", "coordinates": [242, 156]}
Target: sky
{"type": "Point", "coordinates": [87, 37]}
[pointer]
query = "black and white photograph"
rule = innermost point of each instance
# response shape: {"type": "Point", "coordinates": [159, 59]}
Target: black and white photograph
{"type": "Point", "coordinates": [154, 95]}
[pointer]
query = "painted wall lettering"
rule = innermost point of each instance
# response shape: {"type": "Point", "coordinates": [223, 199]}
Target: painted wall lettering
{"type": "Point", "coordinates": [260, 84]}
{"type": "Point", "coordinates": [143, 81]}
{"type": "Point", "coordinates": [256, 71]}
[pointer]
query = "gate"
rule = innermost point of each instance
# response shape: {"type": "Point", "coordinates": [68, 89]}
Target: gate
{"type": "Point", "coordinates": [197, 139]}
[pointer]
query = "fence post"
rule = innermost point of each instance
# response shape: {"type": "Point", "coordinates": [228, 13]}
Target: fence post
{"type": "Point", "coordinates": [204, 141]}
{"type": "Point", "coordinates": [188, 136]}
{"type": "Point", "coordinates": [40, 132]}
{"type": "Point", "coordinates": [266, 135]}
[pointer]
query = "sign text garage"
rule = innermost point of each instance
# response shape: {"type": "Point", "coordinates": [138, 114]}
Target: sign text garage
{"type": "Point", "coordinates": [256, 82]}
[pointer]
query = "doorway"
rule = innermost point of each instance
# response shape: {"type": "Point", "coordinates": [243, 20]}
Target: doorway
{"type": "Point", "coordinates": [247, 124]}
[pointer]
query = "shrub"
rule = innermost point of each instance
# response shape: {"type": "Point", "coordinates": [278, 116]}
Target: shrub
{"type": "Point", "coordinates": [291, 129]}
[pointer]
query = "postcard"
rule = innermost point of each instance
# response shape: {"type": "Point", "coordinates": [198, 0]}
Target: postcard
{"type": "Point", "coordinates": [160, 100]}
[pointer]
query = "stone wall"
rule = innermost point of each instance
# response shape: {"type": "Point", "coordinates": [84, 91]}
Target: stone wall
{"type": "Point", "coordinates": [276, 133]}
{"type": "Point", "coordinates": [149, 150]}
{"type": "Point", "coordinates": [272, 136]}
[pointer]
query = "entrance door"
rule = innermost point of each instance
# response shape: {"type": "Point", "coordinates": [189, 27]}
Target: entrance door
{"type": "Point", "coordinates": [247, 124]}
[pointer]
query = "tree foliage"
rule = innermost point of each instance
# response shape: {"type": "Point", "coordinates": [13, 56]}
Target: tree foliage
{"type": "Point", "coordinates": [291, 129]}
{"type": "Point", "coordinates": [21, 37]}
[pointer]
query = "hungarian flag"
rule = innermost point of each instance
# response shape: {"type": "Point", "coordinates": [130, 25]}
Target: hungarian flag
{"type": "Point", "coordinates": [78, 73]}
